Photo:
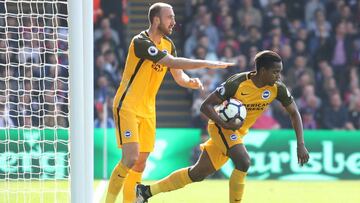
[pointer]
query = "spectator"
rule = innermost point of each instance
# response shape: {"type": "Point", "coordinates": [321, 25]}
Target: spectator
{"type": "Point", "coordinates": [253, 39]}
{"type": "Point", "coordinates": [319, 21]}
{"type": "Point", "coordinates": [354, 114]}
{"type": "Point", "coordinates": [308, 118]}
{"type": "Point", "coordinates": [312, 6]}
{"type": "Point", "coordinates": [247, 9]}
{"type": "Point", "coordinates": [287, 57]}
{"type": "Point", "coordinates": [300, 68]}
{"type": "Point", "coordinates": [105, 27]}
{"type": "Point", "coordinates": [336, 115]}
{"type": "Point", "coordinates": [340, 50]}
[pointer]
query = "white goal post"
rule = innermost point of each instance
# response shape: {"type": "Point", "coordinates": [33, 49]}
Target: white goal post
{"type": "Point", "coordinates": [81, 95]}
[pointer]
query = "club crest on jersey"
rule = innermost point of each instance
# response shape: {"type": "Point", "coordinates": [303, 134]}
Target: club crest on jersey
{"type": "Point", "coordinates": [221, 90]}
{"type": "Point", "coordinates": [266, 94]}
{"type": "Point", "coordinates": [165, 51]}
{"type": "Point", "coordinates": [152, 50]}
{"type": "Point", "coordinates": [127, 133]}
{"type": "Point", "coordinates": [233, 137]}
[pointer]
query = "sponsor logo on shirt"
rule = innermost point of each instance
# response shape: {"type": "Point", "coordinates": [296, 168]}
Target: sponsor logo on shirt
{"type": "Point", "coordinates": [256, 106]}
{"type": "Point", "coordinates": [157, 67]}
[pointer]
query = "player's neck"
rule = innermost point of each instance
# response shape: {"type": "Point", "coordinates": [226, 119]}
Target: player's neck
{"type": "Point", "coordinates": [154, 35]}
{"type": "Point", "coordinates": [258, 82]}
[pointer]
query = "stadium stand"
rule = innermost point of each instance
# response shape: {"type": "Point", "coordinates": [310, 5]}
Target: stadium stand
{"type": "Point", "coordinates": [319, 41]}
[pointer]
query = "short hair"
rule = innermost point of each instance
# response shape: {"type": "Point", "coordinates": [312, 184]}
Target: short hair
{"type": "Point", "coordinates": [155, 9]}
{"type": "Point", "coordinates": [265, 59]}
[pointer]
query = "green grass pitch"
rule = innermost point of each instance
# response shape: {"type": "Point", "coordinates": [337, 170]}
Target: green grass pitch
{"type": "Point", "coordinates": [209, 191]}
{"type": "Point", "coordinates": [216, 191]}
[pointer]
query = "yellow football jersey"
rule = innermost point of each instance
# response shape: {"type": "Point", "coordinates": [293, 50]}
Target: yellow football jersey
{"type": "Point", "coordinates": [256, 100]}
{"type": "Point", "coordinates": [142, 75]}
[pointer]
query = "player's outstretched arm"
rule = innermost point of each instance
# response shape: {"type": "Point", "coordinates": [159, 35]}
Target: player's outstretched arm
{"type": "Point", "coordinates": [302, 153]}
{"type": "Point", "coordinates": [207, 108]}
{"type": "Point", "coordinates": [185, 63]}
{"type": "Point", "coordinates": [184, 80]}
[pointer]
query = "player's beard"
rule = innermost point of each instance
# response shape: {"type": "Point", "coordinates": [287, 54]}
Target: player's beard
{"type": "Point", "coordinates": [163, 29]}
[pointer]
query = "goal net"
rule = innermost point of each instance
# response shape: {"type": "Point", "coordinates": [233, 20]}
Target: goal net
{"type": "Point", "coordinates": [34, 101]}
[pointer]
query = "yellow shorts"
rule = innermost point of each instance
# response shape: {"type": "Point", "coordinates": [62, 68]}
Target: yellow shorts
{"type": "Point", "coordinates": [133, 128]}
{"type": "Point", "coordinates": [220, 142]}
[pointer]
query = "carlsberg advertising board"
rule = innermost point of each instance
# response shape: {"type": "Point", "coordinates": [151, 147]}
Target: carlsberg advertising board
{"type": "Point", "coordinates": [333, 155]}
{"type": "Point", "coordinates": [44, 154]}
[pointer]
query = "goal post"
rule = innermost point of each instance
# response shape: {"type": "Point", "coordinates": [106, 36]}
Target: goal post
{"type": "Point", "coordinates": [81, 97]}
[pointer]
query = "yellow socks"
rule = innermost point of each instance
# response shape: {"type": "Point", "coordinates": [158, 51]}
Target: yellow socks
{"type": "Point", "coordinates": [131, 180]}
{"type": "Point", "coordinates": [236, 186]}
{"type": "Point", "coordinates": [176, 180]}
{"type": "Point", "coordinates": [116, 181]}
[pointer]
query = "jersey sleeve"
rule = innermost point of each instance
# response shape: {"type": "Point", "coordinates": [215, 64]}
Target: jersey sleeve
{"type": "Point", "coordinates": [228, 88]}
{"type": "Point", "coordinates": [145, 49]}
{"type": "Point", "coordinates": [284, 95]}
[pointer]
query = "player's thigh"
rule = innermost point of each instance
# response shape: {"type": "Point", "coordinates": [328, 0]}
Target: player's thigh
{"type": "Point", "coordinates": [130, 153]}
{"type": "Point", "coordinates": [147, 134]}
{"type": "Point", "coordinates": [202, 168]}
{"type": "Point", "coordinates": [127, 127]}
{"type": "Point", "coordinates": [215, 154]}
{"type": "Point", "coordinates": [224, 139]}
{"type": "Point", "coordinates": [240, 157]}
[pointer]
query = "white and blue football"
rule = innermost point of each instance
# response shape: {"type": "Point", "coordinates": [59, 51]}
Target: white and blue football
{"type": "Point", "coordinates": [232, 108]}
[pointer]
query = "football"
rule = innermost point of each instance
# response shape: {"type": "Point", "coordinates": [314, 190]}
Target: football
{"type": "Point", "coordinates": [232, 108]}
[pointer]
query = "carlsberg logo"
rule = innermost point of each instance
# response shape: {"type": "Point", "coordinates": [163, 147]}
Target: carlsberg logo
{"type": "Point", "coordinates": [39, 160]}
{"type": "Point", "coordinates": [273, 159]}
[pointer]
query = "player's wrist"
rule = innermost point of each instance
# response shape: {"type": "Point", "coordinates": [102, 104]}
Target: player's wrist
{"type": "Point", "coordinates": [300, 144]}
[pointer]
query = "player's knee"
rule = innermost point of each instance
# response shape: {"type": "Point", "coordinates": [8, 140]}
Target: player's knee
{"type": "Point", "coordinates": [197, 177]}
{"type": "Point", "coordinates": [130, 160]}
{"type": "Point", "coordinates": [243, 164]}
{"type": "Point", "coordinates": [198, 174]}
{"type": "Point", "coordinates": [139, 166]}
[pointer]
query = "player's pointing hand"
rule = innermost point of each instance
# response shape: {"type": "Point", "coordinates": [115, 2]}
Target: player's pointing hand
{"type": "Point", "coordinates": [220, 64]}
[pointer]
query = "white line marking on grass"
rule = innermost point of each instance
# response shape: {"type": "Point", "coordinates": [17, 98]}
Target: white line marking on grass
{"type": "Point", "coordinates": [100, 191]}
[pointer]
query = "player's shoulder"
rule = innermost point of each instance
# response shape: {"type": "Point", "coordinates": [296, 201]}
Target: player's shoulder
{"type": "Point", "coordinates": [280, 85]}
{"type": "Point", "coordinates": [142, 36]}
{"type": "Point", "coordinates": [283, 94]}
{"type": "Point", "coordinates": [239, 77]}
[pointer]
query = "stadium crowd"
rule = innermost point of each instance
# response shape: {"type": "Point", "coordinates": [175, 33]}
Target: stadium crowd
{"type": "Point", "coordinates": [319, 41]}
{"type": "Point", "coordinates": [33, 66]}
{"type": "Point", "coordinates": [320, 51]}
